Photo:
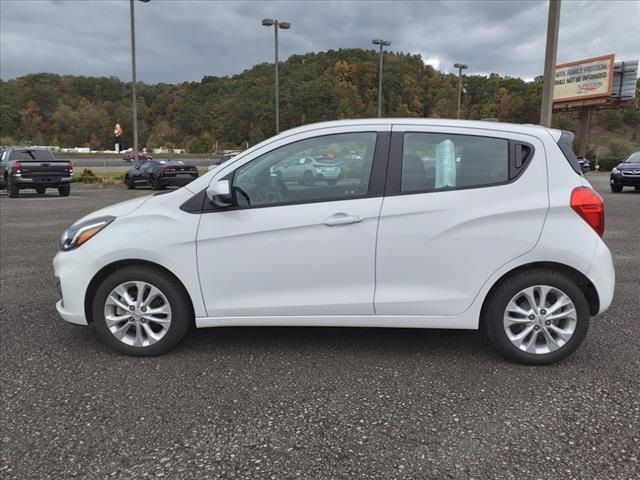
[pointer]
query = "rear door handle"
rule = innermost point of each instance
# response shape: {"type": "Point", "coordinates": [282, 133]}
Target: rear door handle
{"type": "Point", "coordinates": [342, 219]}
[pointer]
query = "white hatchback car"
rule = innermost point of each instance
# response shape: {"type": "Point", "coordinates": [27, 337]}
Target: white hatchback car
{"type": "Point", "coordinates": [498, 231]}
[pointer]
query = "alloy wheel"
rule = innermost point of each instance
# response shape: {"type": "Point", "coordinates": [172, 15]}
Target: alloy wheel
{"type": "Point", "coordinates": [540, 319]}
{"type": "Point", "coordinates": [137, 313]}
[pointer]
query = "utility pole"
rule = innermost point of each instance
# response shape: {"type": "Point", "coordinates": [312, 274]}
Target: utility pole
{"type": "Point", "coordinates": [268, 22]}
{"type": "Point", "coordinates": [134, 98]}
{"type": "Point", "coordinates": [460, 67]}
{"type": "Point", "coordinates": [382, 43]}
{"type": "Point", "coordinates": [553, 26]}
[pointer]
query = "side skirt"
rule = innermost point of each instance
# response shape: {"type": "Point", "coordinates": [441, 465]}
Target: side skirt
{"type": "Point", "coordinates": [384, 321]}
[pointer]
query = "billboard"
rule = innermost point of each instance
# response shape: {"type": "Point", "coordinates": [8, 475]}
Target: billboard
{"type": "Point", "coordinates": [590, 78]}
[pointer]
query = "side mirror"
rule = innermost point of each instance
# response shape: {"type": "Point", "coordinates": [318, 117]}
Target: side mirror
{"type": "Point", "coordinates": [219, 194]}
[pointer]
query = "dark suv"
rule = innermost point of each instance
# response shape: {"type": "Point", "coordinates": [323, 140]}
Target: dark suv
{"type": "Point", "coordinates": [626, 174]}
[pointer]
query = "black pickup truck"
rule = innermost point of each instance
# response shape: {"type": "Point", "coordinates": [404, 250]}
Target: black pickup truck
{"type": "Point", "coordinates": [35, 168]}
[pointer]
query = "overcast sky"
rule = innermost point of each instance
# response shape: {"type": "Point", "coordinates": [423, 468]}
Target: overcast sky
{"type": "Point", "coordinates": [181, 40]}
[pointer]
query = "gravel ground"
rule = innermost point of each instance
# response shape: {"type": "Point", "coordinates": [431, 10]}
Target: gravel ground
{"type": "Point", "coordinates": [314, 403]}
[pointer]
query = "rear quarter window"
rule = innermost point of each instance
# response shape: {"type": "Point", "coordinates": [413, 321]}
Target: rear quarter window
{"type": "Point", "coordinates": [566, 146]}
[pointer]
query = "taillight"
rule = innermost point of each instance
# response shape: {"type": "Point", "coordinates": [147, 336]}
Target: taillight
{"type": "Point", "coordinates": [589, 205]}
{"type": "Point", "coordinates": [70, 167]}
{"type": "Point", "coordinates": [17, 167]}
{"type": "Point", "coordinates": [193, 169]}
{"type": "Point", "coordinates": [167, 170]}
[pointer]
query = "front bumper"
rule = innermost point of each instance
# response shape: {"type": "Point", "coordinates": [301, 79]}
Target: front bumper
{"type": "Point", "coordinates": [73, 270]}
{"type": "Point", "coordinates": [625, 180]}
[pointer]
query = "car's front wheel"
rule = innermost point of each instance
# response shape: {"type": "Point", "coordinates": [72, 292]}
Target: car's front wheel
{"type": "Point", "coordinates": [616, 188]}
{"type": "Point", "coordinates": [141, 311]}
{"type": "Point", "coordinates": [536, 317]}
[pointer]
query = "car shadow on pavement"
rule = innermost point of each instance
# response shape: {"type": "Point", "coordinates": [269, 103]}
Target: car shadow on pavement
{"type": "Point", "coordinates": [393, 342]}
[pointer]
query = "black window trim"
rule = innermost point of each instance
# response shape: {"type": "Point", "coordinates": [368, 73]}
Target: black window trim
{"type": "Point", "coordinates": [377, 180]}
{"type": "Point", "coordinates": [394, 177]}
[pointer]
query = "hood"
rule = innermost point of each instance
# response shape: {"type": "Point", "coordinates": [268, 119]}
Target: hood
{"type": "Point", "coordinates": [118, 210]}
{"type": "Point", "coordinates": [628, 166]}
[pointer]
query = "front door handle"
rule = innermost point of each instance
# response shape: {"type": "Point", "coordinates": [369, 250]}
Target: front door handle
{"type": "Point", "coordinates": [342, 219]}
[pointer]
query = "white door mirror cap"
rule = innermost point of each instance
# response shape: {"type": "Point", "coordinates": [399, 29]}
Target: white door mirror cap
{"type": "Point", "coordinates": [219, 193]}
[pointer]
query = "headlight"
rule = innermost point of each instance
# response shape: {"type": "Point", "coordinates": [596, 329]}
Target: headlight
{"type": "Point", "coordinates": [79, 234]}
{"type": "Point", "coordinates": [615, 171]}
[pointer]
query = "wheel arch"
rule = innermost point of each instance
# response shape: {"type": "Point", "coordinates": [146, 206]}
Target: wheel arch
{"type": "Point", "coordinates": [107, 270]}
{"type": "Point", "coordinates": [587, 287]}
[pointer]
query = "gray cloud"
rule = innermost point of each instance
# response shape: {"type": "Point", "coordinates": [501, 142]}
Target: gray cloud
{"type": "Point", "coordinates": [185, 40]}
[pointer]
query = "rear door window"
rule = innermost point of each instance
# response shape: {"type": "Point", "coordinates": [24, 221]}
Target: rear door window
{"type": "Point", "coordinates": [438, 161]}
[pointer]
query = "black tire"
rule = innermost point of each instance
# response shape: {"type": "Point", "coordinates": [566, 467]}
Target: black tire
{"type": "Point", "coordinates": [129, 183]}
{"type": "Point", "coordinates": [616, 188]}
{"type": "Point", "coordinates": [155, 184]}
{"type": "Point", "coordinates": [64, 190]}
{"type": "Point", "coordinates": [307, 179]}
{"type": "Point", "coordinates": [332, 182]}
{"type": "Point", "coordinates": [12, 188]}
{"type": "Point", "coordinates": [41, 190]}
{"type": "Point", "coordinates": [637, 188]}
{"type": "Point", "coordinates": [181, 310]}
{"type": "Point", "coordinates": [495, 306]}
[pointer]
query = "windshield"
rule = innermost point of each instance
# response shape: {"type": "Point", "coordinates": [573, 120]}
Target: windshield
{"type": "Point", "coordinates": [31, 154]}
{"type": "Point", "coordinates": [633, 158]}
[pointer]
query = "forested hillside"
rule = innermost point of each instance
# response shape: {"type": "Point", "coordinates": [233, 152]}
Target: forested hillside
{"type": "Point", "coordinates": [81, 111]}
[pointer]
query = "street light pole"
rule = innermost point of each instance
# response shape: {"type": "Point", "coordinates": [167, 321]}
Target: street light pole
{"type": "Point", "coordinates": [553, 26]}
{"type": "Point", "coordinates": [460, 67]}
{"type": "Point", "coordinates": [382, 43]}
{"type": "Point", "coordinates": [268, 22]}
{"type": "Point", "coordinates": [134, 97]}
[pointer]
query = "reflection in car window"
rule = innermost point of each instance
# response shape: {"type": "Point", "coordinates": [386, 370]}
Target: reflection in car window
{"type": "Point", "coordinates": [330, 167]}
{"type": "Point", "coordinates": [633, 158]}
{"type": "Point", "coordinates": [435, 161]}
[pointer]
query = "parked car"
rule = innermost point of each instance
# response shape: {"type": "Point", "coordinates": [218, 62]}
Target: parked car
{"type": "Point", "coordinates": [225, 158]}
{"type": "Point", "coordinates": [309, 170]}
{"type": "Point", "coordinates": [24, 168]}
{"type": "Point", "coordinates": [159, 174]}
{"type": "Point", "coordinates": [130, 157]}
{"type": "Point", "coordinates": [585, 166]}
{"type": "Point", "coordinates": [487, 242]}
{"type": "Point", "coordinates": [626, 174]}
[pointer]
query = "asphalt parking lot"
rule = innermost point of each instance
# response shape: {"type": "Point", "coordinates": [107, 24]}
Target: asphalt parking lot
{"type": "Point", "coordinates": [305, 403]}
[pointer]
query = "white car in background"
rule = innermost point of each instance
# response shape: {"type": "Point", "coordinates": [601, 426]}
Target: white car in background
{"type": "Point", "coordinates": [502, 234]}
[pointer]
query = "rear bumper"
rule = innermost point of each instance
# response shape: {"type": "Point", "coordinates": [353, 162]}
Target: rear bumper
{"type": "Point", "coordinates": [603, 276]}
{"type": "Point", "coordinates": [176, 181]}
{"type": "Point", "coordinates": [45, 181]}
{"type": "Point", "coordinates": [625, 180]}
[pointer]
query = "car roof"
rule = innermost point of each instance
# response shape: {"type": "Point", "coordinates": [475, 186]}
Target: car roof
{"type": "Point", "coordinates": [433, 122]}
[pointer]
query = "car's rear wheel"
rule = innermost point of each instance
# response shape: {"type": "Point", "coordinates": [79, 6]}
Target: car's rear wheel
{"type": "Point", "coordinates": [141, 311]}
{"type": "Point", "coordinates": [64, 190]}
{"type": "Point", "coordinates": [616, 188]}
{"type": "Point", "coordinates": [536, 317]}
{"type": "Point", "coordinates": [307, 179]}
{"type": "Point", "coordinates": [12, 188]}
{"type": "Point", "coordinates": [40, 190]}
{"type": "Point", "coordinates": [155, 183]}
